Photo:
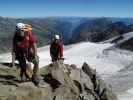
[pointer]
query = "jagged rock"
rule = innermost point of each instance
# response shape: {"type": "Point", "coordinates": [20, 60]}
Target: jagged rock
{"type": "Point", "coordinates": [104, 91]}
{"type": "Point", "coordinates": [89, 71]}
{"type": "Point", "coordinates": [61, 73]}
{"type": "Point", "coordinates": [81, 77]}
{"type": "Point", "coordinates": [53, 82]}
{"type": "Point", "coordinates": [58, 81]}
{"type": "Point", "coordinates": [73, 66]}
{"type": "Point", "coordinates": [101, 90]}
{"type": "Point", "coordinates": [65, 93]}
{"type": "Point", "coordinates": [86, 96]}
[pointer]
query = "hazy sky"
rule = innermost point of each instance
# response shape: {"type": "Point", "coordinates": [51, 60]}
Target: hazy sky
{"type": "Point", "coordinates": [43, 8]}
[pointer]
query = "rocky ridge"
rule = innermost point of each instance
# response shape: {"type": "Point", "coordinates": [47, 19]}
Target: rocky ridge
{"type": "Point", "coordinates": [58, 81]}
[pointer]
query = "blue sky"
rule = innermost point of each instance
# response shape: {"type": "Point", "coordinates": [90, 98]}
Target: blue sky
{"type": "Point", "coordinates": [85, 8]}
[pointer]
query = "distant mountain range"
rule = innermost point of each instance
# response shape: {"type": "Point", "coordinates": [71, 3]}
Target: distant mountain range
{"type": "Point", "coordinates": [72, 29]}
{"type": "Point", "coordinates": [100, 29]}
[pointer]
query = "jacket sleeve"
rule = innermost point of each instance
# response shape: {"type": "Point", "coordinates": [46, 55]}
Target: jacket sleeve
{"type": "Point", "coordinates": [50, 49]}
{"type": "Point", "coordinates": [33, 44]}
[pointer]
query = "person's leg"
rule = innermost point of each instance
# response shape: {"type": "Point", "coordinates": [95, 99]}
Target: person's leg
{"type": "Point", "coordinates": [35, 78]}
{"type": "Point", "coordinates": [35, 61]}
{"type": "Point", "coordinates": [22, 64]}
{"type": "Point", "coordinates": [54, 58]}
{"type": "Point", "coordinates": [21, 73]}
{"type": "Point", "coordinates": [29, 70]}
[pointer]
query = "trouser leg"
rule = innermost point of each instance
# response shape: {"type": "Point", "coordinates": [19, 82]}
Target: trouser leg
{"type": "Point", "coordinates": [55, 58]}
{"type": "Point", "coordinates": [22, 64]}
{"type": "Point", "coordinates": [35, 61]}
{"type": "Point", "coordinates": [23, 67]}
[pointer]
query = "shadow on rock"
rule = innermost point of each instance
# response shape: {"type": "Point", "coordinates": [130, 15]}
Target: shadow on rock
{"type": "Point", "coordinates": [8, 64]}
{"type": "Point", "coordinates": [8, 80]}
{"type": "Point", "coordinates": [53, 82]}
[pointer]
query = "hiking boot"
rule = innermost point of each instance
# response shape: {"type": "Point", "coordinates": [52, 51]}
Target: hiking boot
{"type": "Point", "coordinates": [23, 79]}
{"type": "Point", "coordinates": [35, 80]}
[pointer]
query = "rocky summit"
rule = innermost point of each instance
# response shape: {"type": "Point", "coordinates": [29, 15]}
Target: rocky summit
{"type": "Point", "coordinates": [58, 81]}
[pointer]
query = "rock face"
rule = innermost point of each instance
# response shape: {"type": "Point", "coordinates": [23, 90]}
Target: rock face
{"type": "Point", "coordinates": [58, 81]}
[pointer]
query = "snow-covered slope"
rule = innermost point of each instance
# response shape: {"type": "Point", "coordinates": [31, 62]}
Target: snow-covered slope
{"type": "Point", "coordinates": [128, 95]}
{"type": "Point", "coordinates": [120, 38]}
{"type": "Point", "coordinates": [98, 56]}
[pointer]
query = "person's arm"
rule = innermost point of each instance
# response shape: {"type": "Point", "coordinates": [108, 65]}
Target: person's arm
{"type": "Point", "coordinates": [35, 49]}
{"type": "Point", "coordinates": [13, 44]}
{"type": "Point", "coordinates": [13, 59]}
{"type": "Point", "coordinates": [50, 50]}
{"type": "Point", "coordinates": [61, 49]}
{"type": "Point", "coordinates": [13, 50]}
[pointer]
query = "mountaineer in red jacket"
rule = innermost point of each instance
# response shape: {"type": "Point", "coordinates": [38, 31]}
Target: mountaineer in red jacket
{"type": "Point", "coordinates": [25, 49]}
{"type": "Point", "coordinates": [56, 49]}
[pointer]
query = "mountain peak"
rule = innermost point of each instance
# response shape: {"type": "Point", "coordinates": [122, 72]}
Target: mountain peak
{"type": "Point", "coordinates": [58, 81]}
